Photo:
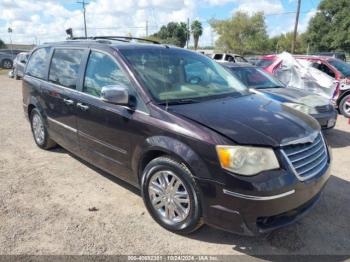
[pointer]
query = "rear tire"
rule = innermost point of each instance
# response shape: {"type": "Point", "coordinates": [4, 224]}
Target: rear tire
{"type": "Point", "coordinates": [39, 130]}
{"type": "Point", "coordinates": [171, 195]}
{"type": "Point", "coordinates": [344, 106]}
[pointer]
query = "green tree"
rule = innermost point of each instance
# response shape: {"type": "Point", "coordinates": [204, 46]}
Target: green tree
{"type": "Point", "coordinates": [329, 29]}
{"type": "Point", "coordinates": [2, 44]}
{"type": "Point", "coordinates": [283, 42]}
{"type": "Point", "coordinates": [197, 31]}
{"type": "Point", "coordinates": [173, 33]}
{"type": "Point", "coordinates": [241, 33]}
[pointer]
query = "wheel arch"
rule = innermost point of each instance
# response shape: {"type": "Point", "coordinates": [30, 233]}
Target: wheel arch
{"type": "Point", "coordinates": [347, 92]}
{"type": "Point", "coordinates": [167, 146]}
{"type": "Point", "coordinates": [34, 103]}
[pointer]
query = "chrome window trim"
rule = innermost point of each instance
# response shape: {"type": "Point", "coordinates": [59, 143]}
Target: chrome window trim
{"type": "Point", "coordinates": [258, 198]}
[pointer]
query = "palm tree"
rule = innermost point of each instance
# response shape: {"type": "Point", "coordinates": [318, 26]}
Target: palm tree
{"type": "Point", "coordinates": [197, 31]}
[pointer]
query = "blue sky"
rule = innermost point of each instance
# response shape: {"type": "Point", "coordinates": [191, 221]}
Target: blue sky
{"type": "Point", "coordinates": [36, 21]}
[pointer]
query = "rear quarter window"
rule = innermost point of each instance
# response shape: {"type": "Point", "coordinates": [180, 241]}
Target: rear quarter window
{"type": "Point", "coordinates": [38, 63]}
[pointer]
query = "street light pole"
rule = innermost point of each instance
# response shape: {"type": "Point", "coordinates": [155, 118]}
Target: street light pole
{"type": "Point", "coordinates": [9, 30]}
{"type": "Point", "coordinates": [84, 12]}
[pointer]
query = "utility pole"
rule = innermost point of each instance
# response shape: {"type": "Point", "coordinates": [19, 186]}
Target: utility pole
{"type": "Point", "coordinates": [188, 32]}
{"type": "Point", "coordinates": [296, 27]}
{"type": "Point", "coordinates": [146, 28]}
{"type": "Point", "coordinates": [83, 3]}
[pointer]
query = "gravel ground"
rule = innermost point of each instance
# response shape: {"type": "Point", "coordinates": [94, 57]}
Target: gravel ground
{"type": "Point", "coordinates": [53, 203]}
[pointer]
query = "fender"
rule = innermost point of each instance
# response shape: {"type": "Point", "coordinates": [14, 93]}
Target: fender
{"type": "Point", "coordinates": [172, 147]}
{"type": "Point", "coordinates": [33, 101]}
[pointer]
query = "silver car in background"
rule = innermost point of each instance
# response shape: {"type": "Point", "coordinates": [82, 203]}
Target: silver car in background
{"type": "Point", "coordinates": [19, 65]}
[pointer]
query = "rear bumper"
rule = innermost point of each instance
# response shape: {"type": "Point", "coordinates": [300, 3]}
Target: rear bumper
{"type": "Point", "coordinates": [326, 120]}
{"type": "Point", "coordinates": [259, 212]}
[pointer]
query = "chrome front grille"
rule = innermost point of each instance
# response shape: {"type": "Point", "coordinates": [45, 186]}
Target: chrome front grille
{"type": "Point", "coordinates": [307, 159]}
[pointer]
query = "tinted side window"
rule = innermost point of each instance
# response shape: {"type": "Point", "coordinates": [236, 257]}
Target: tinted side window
{"type": "Point", "coordinates": [240, 59]}
{"type": "Point", "coordinates": [102, 71]}
{"type": "Point", "coordinates": [229, 58]}
{"type": "Point", "coordinates": [37, 63]}
{"type": "Point", "coordinates": [65, 66]}
{"type": "Point", "coordinates": [218, 56]}
{"type": "Point", "coordinates": [324, 69]}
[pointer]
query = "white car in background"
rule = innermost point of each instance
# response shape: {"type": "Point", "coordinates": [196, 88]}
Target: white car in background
{"type": "Point", "coordinates": [225, 57]}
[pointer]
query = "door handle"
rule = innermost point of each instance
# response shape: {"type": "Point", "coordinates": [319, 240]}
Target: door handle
{"type": "Point", "coordinates": [82, 106]}
{"type": "Point", "coordinates": [68, 102]}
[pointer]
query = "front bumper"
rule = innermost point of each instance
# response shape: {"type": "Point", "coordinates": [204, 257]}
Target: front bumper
{"type": "Point", "coordinates": [271, 201]}
{"type": "Point", "coordinates": [326, 120]}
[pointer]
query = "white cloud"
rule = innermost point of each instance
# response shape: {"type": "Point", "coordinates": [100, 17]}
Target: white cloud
{"type": "Point", "coordinates": [219, 2]}
{"type": "Point", "coordinates": [253, 6]}
{"type": "Point", "coordinates": [47, 20]}
{"type": "Point", "coordinates": [305, 22]}
{"type": "Point", "coordinates": [287, 23]}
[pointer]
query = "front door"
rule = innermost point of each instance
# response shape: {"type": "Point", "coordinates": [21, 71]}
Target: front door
{"type": "Point", "coordinates": [103, 128]}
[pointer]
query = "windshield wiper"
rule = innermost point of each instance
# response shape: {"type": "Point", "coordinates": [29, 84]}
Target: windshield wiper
{"type": "Point", "coordinates": [267, 87]}
{"type": "Point", "coordinates": [179, 102]}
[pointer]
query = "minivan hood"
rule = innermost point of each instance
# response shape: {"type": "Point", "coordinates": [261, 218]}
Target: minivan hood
{"type": "Point", "coordinates": [251, 119]}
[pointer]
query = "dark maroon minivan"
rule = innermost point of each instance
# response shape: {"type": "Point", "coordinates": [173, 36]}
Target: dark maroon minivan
{"type": "Point", "coordinates": [177, 125]}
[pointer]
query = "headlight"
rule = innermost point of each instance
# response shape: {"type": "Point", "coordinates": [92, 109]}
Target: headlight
{"type": "Point", "coordinates": [302, 108]}
{"type": "Point", "coordinates": [245, 160]}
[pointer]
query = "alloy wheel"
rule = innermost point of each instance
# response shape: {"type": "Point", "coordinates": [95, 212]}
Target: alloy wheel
{"type": "Point", "coordinates": [7, 64]}
{"type": "Point", "coordinates": [169, 197]}
{"type": "Point", "coordinates": [346, 106]}
{"type": "Point", "coordinates": [38, 129]}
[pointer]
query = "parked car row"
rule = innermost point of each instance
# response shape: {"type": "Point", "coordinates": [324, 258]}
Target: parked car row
{"type": "Point", "coordinates": [262, 83]}
{"type": "Point", "coordinates": [198, 143]}
{"type": "Point", "coordinates": [19, 64]}
{"type": "Point", "coordinates": [7, 56]}
{"type": "Point", "coordinates": [335, 68]}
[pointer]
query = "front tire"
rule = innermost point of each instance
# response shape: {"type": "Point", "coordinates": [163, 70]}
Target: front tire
{"type": "Point", "coordinates": [39, 130]}
{"type": "Point", "coordinates": [171, 196]}
{"type": "Point", "coordinates": [344, 106]}
{"type": "Point", "coordinates": [16, 76]}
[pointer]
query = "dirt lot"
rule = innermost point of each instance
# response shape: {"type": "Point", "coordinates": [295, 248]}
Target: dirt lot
{"type": "Point", "coordinates": [45, 197]}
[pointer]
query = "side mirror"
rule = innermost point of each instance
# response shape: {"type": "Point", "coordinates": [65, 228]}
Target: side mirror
{"type": "Point", "coordinates": [115, 94]}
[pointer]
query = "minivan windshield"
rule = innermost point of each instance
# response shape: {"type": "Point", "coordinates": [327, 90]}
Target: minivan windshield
{"type": "Point", "coordinates": [255, 77]}
{"type": "Point", "coordinates": [175, 75]}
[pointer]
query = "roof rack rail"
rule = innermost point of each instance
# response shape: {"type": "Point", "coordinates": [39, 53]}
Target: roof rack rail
{"type": "Point", "coordinates": [117, 38]}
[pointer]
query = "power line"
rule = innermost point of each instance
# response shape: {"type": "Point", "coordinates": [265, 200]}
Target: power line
{"type": "Point", "coordinates": [288, 13]}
